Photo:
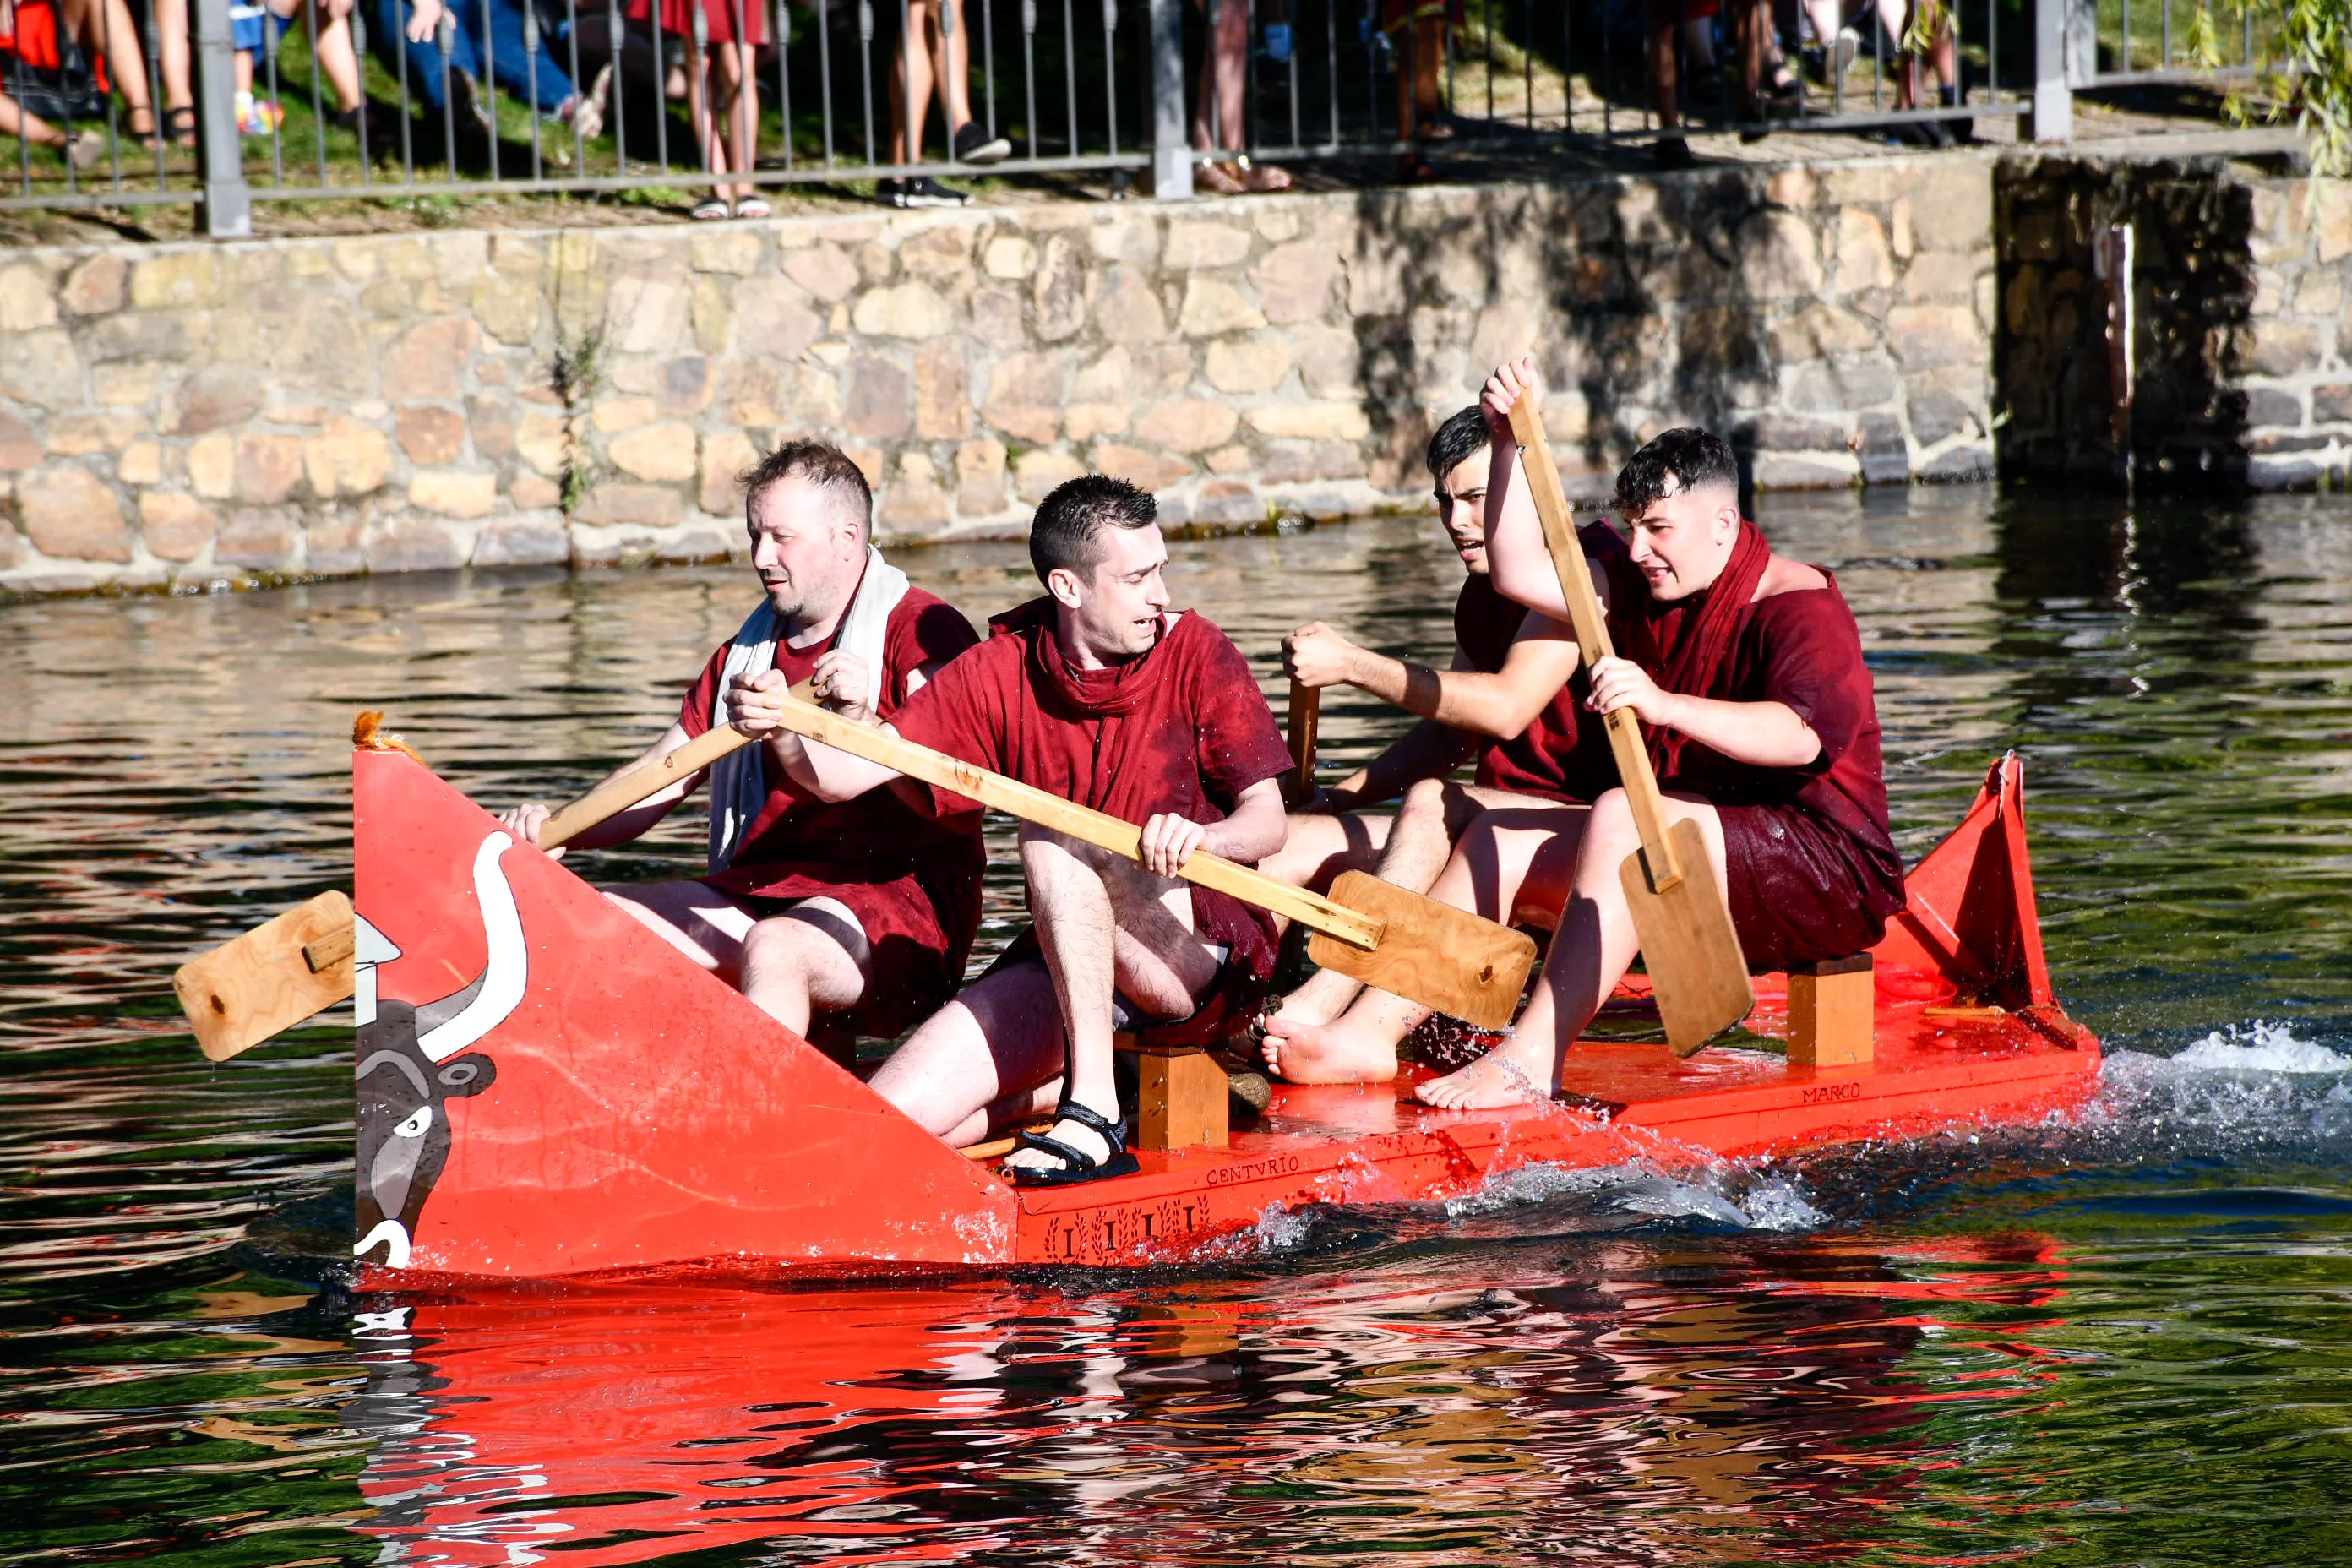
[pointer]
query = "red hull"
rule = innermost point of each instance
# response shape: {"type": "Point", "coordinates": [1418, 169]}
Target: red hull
{"type": "Point", "coordinates": [601, 1104]}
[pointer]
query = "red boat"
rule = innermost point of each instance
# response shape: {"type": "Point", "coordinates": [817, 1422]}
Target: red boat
{"type": "Point", "coordinates": [545, 1087]}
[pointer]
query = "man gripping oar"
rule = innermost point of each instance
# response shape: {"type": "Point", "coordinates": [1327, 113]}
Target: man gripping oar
{"type": "Point", "coordinates": [1745, 669]}
{"type": "Point", "coordinates": [1097, 693]}
{"type": "Point", "coordinates": [860, 914]}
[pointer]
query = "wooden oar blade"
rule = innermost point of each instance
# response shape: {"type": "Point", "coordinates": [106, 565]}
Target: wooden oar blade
{"type": "Point", "coordinates": [1688, 945]}
{"type": "Point", "coordinates": [1432, 953]}
{"type": "Point", "coordinates": [243, 992]}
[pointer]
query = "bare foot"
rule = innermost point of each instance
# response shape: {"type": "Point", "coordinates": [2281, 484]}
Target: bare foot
{"type": "Point", "coordinates": [1502, 1076]}
{"type": "Point", "coordinates": [1326, 1053]}
{"type": "Point", "coordinates": [1321, 1000]}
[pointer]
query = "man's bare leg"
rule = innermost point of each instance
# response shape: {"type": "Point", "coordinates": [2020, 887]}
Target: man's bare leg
{"type": "Point", "coordinates": [1317, 847]}
{"type": "Point", "coordinates": [1513, 863]}
{"type": "Point", "coordinates": [1590, 952]}
{"type": "Point", "coordinates": [813, 955]}
{"type": "Point", "coordinates": [984, 1059]}
{"type": "Point", "coordinates": [1434, 814]}
{"type": "Point", "coordinates": [697, 920]}
{"type": "Point", "coordinates": [1106, 926]}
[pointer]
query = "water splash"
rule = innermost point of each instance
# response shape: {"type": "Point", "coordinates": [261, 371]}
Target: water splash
{"type": "Point", "coordinates": [1720, 1192]}
{"type": "Point", "coordinates": [2255, 1083]}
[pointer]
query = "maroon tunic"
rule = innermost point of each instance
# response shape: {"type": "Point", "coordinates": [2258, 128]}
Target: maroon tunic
{"type": "Point", "coordinates": [912, 880]}
{"type": "Point", "coordinates": [1812, 873]}
{"type": "Point", "coordinates": [1563, 753]}
{"type": "Point", "coordinates": [1182, 728]}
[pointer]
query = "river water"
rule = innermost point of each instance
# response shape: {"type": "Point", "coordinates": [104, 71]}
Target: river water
{"type": "Point", "coordinates": [2125, 1339]}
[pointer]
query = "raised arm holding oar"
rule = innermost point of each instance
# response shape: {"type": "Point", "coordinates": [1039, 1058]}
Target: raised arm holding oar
{"type": "Point", "coordinates": [1745, 670]}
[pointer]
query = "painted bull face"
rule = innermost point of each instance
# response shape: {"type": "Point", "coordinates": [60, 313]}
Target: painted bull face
{"type": "Point", "coordinates": [412, 1060]}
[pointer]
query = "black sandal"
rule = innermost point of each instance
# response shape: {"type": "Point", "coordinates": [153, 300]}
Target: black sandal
{"type": "Point", "coordinates": [1076, 1164]}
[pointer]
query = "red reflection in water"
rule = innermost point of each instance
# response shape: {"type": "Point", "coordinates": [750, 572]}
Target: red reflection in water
{"type": "Point", "coordinates": [630, 1421]}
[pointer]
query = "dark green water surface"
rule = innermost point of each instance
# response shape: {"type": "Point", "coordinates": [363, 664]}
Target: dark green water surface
{"type": "Point", "coordinates": [2126, 1339]}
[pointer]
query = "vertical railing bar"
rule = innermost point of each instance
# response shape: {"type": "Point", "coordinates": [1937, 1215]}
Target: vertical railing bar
{"type": "Point", "coordinates": [318, 98]}
{"type": "Point", "coordinates": [2167, 60]}
{"type": "Point", "coordinates": [1110, 71]}
{"type": "Point", "coordinates": [486, 95]}
{"type": "Point", "coordinates": [988, 61]}
{"type": "Point", "coordinates": [1489, 23]}
{"type": "Point", "coordinates": [907, 45]}
{"type": "Point", "coordinates": [1331, 65]}
{"type": "Point", "coordinates": [24, 143]}
{"type": "Point", "coordinates": [616, 41]}
{"type": "Point", "coordinates": [1566, 64]}
{"type": "Point", "coordinates": [1029, 66]}
{"type": "Point", "coordinates": [407, 109]}
{"type": "Point", "coordinates": [530, 84]}
{"type": "Point", "coordinates": [1251, 138]}
{"type": "Point", "coordinates": [1070, 73]}
{"type": "Point", "coordinates": [1992, 51]}
{"type": "Point", "coordinates": [1607, 77]}
{"type": "Point", "coordinates": [448, 35]}
{"type": "Point", "coordinates": [2125, 55]}
{"type": "Point", "coordinates": [571, 49]}
{"type": "Point", "coordinates": [825, 75]}
{"type": "Point", "coordinates": [866, 74]}
{"type": "Point", "coordinates": [784, 78]}
{"type": "Point", "coordinates": [359, 114]}
{"type": "Point", "coordinates": [1878, 44]}
{"type": "Point", "coordinates": [155, 98]}
{"type": "Point", "coordinates": [114, 135]}
{"type": "Point", "coordinates": [661, 87]}
{"type": "Point", "coordinates": [1296, 135]}
{"type": "Point", "coordinates": [1527, 62]}
{"type": "Point", "coordinates": [276, 106]}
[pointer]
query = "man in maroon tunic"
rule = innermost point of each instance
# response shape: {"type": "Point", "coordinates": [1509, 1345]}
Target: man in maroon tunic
{"type": "Point", "coordinates": [1746, 671]}
{"type": "Point", "coordinates": [1508, 697]}
{"type": "Point", "coordinates": [1097, 693]}
{"type": "Point", "coordinates": [851, 918]}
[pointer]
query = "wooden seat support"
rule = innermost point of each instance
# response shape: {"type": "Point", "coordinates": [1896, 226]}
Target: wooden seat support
{"type": "Point", "coordinates": [1180, 1096]}
{"type": "Point", "coordinates": [1831, 1013]}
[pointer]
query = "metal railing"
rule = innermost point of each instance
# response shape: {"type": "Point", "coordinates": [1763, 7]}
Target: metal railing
{"type": "Point", "coordinates": [2106, 44]}
{"type": "Point", "coordinates": [425, 99]}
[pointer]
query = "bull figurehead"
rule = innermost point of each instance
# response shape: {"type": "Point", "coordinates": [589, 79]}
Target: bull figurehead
{"type": "Point", "coordinates": [412, 1060]}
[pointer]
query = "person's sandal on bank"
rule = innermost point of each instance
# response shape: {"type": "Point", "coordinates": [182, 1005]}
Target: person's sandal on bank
{"type": "Point", "coordinates": [1078, 1165]}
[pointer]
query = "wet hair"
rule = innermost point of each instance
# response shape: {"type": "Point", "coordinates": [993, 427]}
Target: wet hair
{"type": "Point", "coordinates": [1684, 459]}
{"type": "Point", "coordinates": [1067, 535]}
{"type": "Point", "coordinates": [1456, 441]}
{"type": "Point", "coordinates": [825, 468]}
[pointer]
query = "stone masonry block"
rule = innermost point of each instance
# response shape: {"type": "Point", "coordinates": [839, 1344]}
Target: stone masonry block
{"type": "Point", "coordinates": [175, 527]}
{"type": "Point", "coordinates": [70, 513]}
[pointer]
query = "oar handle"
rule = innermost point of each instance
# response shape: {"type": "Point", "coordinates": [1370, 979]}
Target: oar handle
{"type": "Point", "coordinates": [1305, 708]}
{"type": "Point", "coordinates": [1105, 832]}
{"type": "Point", "coordinates": [625, 791]}
{"type": "Point", "coordinates": [1584, 612]}
{"type": "Point", "coordinates": [610, 800]}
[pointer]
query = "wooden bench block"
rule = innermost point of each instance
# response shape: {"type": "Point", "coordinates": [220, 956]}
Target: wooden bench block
{"type": "Point", "coordinates": [1181, 1099]}
{"type": "Point", "coordinates": [1832, 1013]}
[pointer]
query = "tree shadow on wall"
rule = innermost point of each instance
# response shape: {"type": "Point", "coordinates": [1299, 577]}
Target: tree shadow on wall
{"type": "Point", "coordinates": [1642, 300]}
{"type": "Point", "coordinates": [2193, 296]}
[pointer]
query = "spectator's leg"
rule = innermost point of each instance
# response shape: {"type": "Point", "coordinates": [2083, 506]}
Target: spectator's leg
{"type": "Point", "coordinates": [1746, 21]}
{"type": "Point", "coordinates": [510, 60]}
{"type": "Point", "coordinates": [738, 85]}
{"type": "Point", "coordinates": [16, 121]}
{"type": "Point", "coordinates": [104, 29]}
{"type": "Point", "coordinates": [951, 54]}
{"type": "Point", "coordinates": [1665, 22]}
{"type": "Point", "coordinates": [1217, 107]}
{"type": "Point", "coordinates": [910, 81]}
{"type": "Point", "coordinates": [1428, 64]}
{"type": "Point", "coordinates": [424, 57]}
{"type": "Point", "coordinates": [174, 64]}
{"type": "Point", "coordinates": [337, 57]}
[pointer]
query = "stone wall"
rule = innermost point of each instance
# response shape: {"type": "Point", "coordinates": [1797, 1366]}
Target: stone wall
{"type": "Point", "coordinates": [216, 413]}
{"type": "Point", "coordinates": [2242, 301]}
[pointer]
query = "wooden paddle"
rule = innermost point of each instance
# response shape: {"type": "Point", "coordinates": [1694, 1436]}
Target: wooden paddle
{"type": "Point", "coordinates": [1430, 953]}
{"type": "Point", "coordinates": [285, 970]}
{"type": "Point", "coordinates": [1305, 707]}
{"type": "Point", "coordinates": [1688, 943]}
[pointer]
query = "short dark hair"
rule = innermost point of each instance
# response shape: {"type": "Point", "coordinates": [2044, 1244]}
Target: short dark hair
{"type": "Point", "coordinates": [1685, 458]}
{"type": "Point", "coordinates": [1456, 441]}
{"type": "Point", "coordinates": [1066, 533]}
{"type": "Point", "coordinates": [826, 468]}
